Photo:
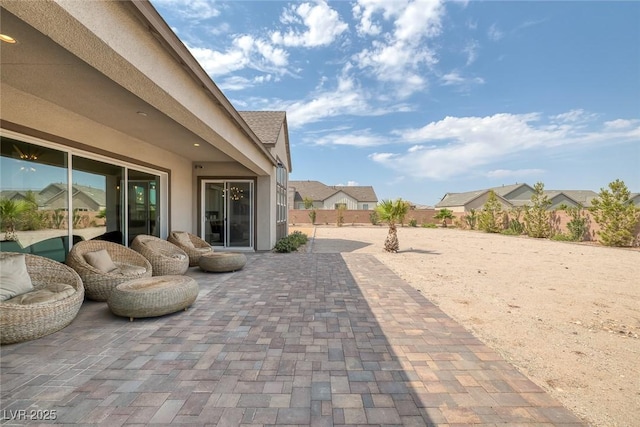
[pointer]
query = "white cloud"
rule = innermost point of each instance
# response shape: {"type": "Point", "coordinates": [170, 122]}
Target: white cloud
{"type": "Point", "coordinates": [355, 139]}
{"type": "Point", "coordinates": [346, 98]}
{"type": "Point", "coordinates": [349, 184]}
{"type": "Point", "coordinates": [399, 56]}
{"type": "Point", "coordinates": [621, 123]}
{"type": "Point", "coordinates": [494, 33]}
{"type": "Point", "coordinates": [464, 144]}
{"type": "Point", "coordinates": [322, 25]}
{"type": "Point", "coordinates": [245, 52]}
{"type": "Point", "coordinates": [508, 173]}
{"type": "Point", "coordinates": [191, 9]}
{"type": "Point", "coordinates": [455, 79]}
{"type": "Point", "coordinates": [241, 83]}
{"type": "Point", "coordinates": [574, 116]}
{"type": "Point", "coordinates": [471, 49]}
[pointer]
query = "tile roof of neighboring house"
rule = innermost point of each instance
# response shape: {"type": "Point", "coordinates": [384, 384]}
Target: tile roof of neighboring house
{"type": "Point", "coordinates": [265, 124]}
{"type": "Point", "coordinates": [318, 191]}
{"type": "Point", "coordinates": [584, 197]}
{"type": "Point", "coordinates": [459, 199]}
{"type": "Point", "coordinates": [96, 194]}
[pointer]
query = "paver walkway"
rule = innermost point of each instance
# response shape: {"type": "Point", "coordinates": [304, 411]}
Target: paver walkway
{"type": "Point", "coordinates": [319, 339]}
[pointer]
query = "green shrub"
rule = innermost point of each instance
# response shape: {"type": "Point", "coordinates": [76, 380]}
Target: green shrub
{"type": "Point", "coordinates": [429, 225]}
{"type": "Point", "coordinates": [489, 219]}
{"type": "Point", "coordinates": [471, 219]}
{"type": "Point", "coordinates": [373, 217]}
{"type": "Point", "coordinates": [536, 217]}
{"type": "Point", "coordinates": [291, 242]}
{"type": "Point", "coordinates": [413, 223]}
{"type": "Point", "coordinates": [614, 211]}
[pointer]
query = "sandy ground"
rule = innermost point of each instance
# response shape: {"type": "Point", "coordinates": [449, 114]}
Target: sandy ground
{"type": "Point", "coordinates": [567, 315]}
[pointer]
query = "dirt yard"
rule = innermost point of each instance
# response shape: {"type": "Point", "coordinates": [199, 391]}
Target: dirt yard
{"type": "Point", "coordinates": [567, 315]}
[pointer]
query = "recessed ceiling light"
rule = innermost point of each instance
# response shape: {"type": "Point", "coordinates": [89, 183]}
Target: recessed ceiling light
{"type": "Point", "coordinates": [7, 39]}
{"type": "Point", "coordinates": [196, 145]}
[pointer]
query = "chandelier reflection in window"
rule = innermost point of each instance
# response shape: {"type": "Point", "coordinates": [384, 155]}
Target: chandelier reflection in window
{"type": "Point", "coordinates": [31, 154]}
{"type": "Point", "coordinates": [234, 193]}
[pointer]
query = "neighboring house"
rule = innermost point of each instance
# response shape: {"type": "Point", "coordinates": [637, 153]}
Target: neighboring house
{"type": "Point", "coordinates": [513, 196]}
{"type": "Point", "coordinates": [54, 196]}
{"type": "Point", "coordinates": [105, 92]}
{"type": "Point", "coordinates": [331, 197]}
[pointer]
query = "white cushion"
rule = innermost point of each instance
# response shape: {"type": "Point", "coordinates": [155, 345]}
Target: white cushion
{"type": "Point", "coordinates": [100, 260]}
{"type": "Point", "coordinates": [14, 278]}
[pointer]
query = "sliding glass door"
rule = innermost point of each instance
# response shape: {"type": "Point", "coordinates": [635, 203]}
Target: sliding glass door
{"type": "Point", "coordinates": [227, 213]}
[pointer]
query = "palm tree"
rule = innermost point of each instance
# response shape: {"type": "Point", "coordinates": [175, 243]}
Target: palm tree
{"type": "Point", "coordinates": [391, 212]}
{"type": "Point", "coordinates": [444, 215]}
{"type": "Point", "coordinates": [10, 213]}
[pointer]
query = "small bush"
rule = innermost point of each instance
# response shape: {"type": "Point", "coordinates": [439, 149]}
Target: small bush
{"type": "Point", "coordinates": [429, 225]}
{"type": "Point", "coordinates": [373, 217]}
{"type": "Point", "coordinates": [413, 223]}
{"type": "Point", "coordinates": [291, 242]}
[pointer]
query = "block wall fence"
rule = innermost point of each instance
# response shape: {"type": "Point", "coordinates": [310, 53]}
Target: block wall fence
{"type": "Point", "coordinates": [559, 220]}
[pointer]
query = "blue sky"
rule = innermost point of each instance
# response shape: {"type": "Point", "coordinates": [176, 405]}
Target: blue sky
{"type": "Point", "coordinates": [420, 98]}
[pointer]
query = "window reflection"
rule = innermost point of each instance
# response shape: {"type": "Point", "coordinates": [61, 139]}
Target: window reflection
{"type": "Point", "coordinates": [97, 200]}
{"type": "Point", "coordinates": [33, 202]}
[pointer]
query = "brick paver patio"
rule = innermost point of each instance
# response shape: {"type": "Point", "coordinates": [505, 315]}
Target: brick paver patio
{"type": "Point", "coordinates": [306, 339]}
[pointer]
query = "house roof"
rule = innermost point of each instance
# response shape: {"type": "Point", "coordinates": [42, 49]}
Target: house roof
{"type": "Point", "coordinates": [317, 191]}
{"type": "Point", "coordinates": [267, 125]}
{"type": "Point", "coordinates": [95, 194]}
{"type": "Point", "coordinates": [459, 199]}
{"type": "Point", "coordinates": [584, 197]}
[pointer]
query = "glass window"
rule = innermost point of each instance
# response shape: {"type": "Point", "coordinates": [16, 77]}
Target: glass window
{"type": "Point", "coordinates": [34, 211]}
{"type": "Point", "coordinates": [97, 200]}
{"type": "Point", "coordinates": [143, 213]}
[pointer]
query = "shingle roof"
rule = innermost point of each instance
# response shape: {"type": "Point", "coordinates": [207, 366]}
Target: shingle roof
{"type": "Point", "coordinates": [265, 124]}
{"type": "Point", "coordinates": [315, 190]}
{"type": "Point", "coordinates": [584, 197]}
{"type": "Point", "coordinates": [459, 199]}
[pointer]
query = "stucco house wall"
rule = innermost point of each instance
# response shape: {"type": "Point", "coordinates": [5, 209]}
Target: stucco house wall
{"type": "Point", "coordinates": [126, 56]}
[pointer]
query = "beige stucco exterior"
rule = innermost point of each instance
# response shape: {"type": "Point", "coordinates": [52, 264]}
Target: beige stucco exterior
{"type": "Point", "coordinates": [119, 84]}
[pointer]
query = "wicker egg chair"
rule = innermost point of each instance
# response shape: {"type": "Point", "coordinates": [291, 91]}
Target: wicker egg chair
{"type": "Point", "coordinates": [195, 250]}
{"type": "Point", "coordinates": [99, 284]}
{"type": "Point", "coordinates": [31, 321]}
{"type": "Point", "coordinates": [165, 257]}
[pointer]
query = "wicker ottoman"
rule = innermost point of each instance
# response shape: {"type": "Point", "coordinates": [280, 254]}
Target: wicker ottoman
{"type": "Point", "coordinates": [221, 262]}
{"type": "Point", "coordinates": [153, 296]}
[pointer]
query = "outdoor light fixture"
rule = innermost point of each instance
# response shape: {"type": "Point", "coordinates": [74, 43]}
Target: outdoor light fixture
{"type": "Point", "coordinates": [141, 113]}
{"type": "Point", "coordinates": [7, 39]}
{"type": "Point", "coordinates": [196, 145]}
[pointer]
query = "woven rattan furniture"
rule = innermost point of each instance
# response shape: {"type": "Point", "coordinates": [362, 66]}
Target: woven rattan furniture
{"type": "Point", "coordinates": [27, 322]}
{"type": "Point", "coordinates": [153, 296]}
{"type": "Point", "coordinates": [98, 284]}
{"type": "Point", "coordinates": [222, 262]}
{"type": "Point", "coordinates": [165, 257]}
{"type": "Point", "coordinates": [197, 248]}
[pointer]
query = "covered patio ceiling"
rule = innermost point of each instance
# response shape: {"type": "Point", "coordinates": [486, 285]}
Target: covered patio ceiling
{"type": "Point", "coordinates": [39, 66]}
